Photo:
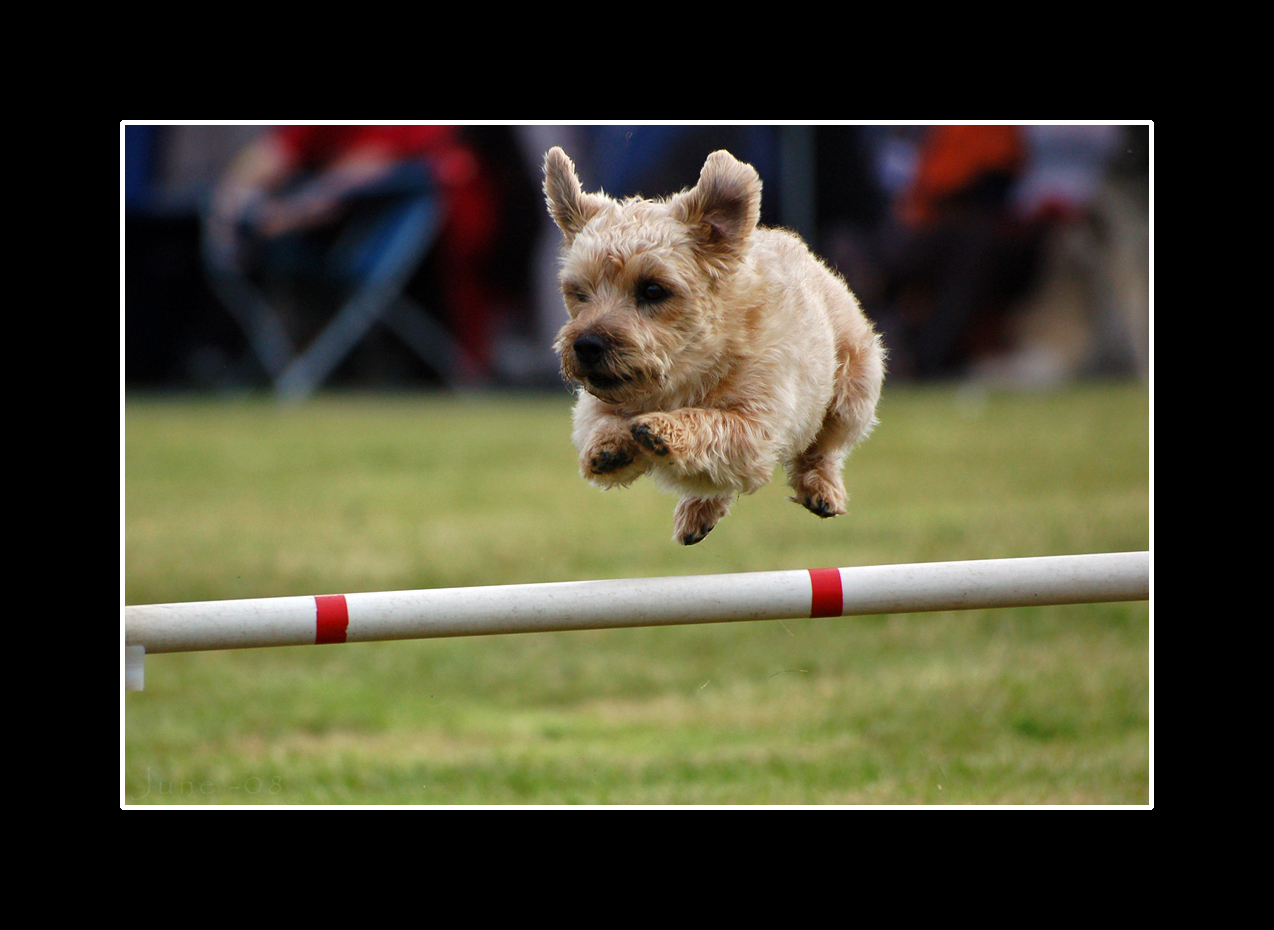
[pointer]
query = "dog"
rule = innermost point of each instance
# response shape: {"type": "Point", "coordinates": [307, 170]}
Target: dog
{"type": "Point", "coordinates": [708, 349]}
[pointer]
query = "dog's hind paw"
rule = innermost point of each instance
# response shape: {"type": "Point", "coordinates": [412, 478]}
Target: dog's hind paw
{"type": "Point", "coordinates": [819, 507]}
{"type": "Point", "coordinates": [696, 516]}
{"type": "Point", "coordinates": [819, 496]}
{"type": "Point", "coordinates": [697, 535]}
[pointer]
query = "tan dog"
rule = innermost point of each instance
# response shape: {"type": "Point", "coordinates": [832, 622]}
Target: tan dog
{"type": "Point", "coordinates": [709, 349]}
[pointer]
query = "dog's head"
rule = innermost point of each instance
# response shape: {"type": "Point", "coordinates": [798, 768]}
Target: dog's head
{"type": "Point", "coordinates": [648, 284]}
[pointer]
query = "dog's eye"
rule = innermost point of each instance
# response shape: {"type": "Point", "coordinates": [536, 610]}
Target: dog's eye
{"type": "Point", "coordinates": [652, 292]}
{"type": "Point", "coordinates": [576, 294]}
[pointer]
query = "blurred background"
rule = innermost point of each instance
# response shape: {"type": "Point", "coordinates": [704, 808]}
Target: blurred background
{"type": "Point", "coordinates": [293, 258]}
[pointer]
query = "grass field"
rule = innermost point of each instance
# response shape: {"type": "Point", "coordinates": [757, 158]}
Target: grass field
{"type": "Point", "coordinates": [246, 498]}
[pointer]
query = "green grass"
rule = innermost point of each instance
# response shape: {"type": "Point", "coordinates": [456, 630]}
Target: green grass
{"type": "Point", "coordinates": [246, 498]}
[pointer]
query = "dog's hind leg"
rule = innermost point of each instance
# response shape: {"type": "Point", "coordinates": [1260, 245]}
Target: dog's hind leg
{"type": "Point", "coordinates": [815, 474]}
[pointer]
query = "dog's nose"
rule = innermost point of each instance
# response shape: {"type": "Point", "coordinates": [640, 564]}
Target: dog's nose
{"type": "Point", "coordinates": [589, 349]}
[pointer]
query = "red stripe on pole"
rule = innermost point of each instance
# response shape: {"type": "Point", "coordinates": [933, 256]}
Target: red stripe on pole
{"type": "Point", "coordinates": [828, 599]}
{"type": "Point", "coordinates": [332, 620]}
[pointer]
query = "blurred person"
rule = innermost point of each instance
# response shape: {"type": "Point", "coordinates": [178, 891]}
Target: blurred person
{"type": "Point", "coordinates": [1078, 318]}
{"type": "Point", "coordinates": [852, 205]}
{"type": "Point", "coordinates": [278, 216]}
{"type": "Point", "coordinates": [954, 253]}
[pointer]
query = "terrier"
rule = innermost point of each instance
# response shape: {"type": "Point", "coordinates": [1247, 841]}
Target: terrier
{"type": "Point", "coordinates": [708, 349]}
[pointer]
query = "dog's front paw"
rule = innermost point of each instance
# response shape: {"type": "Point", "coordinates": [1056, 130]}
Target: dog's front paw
{"type": "Point", "coordinates": [649, 439]}
{"type": "Point", "coordinates": [613, 460]}
{"type": "Point", "coordinates": [609, 460]}
{"type": "Point", "coordinates": [660, 433]}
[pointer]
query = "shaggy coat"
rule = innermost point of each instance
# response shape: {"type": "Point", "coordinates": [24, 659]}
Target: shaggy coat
{"type": "Point", "coordinates": [708, 350]}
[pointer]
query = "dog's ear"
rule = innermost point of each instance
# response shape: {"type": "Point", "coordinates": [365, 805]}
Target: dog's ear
{"type": "Point", "coordinates": [724, 206]}
{"type": "Point", "coordinates": [569, 206]}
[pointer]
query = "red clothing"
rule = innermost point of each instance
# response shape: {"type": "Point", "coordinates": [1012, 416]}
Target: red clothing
{"type": "Point", "coordinates": [467, 196]}
{"type": "Point", "coordinates": [313, 147]}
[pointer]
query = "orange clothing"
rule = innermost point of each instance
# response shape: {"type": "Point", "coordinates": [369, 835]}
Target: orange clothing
{"type": "Point", "coordinates": [956, 157]}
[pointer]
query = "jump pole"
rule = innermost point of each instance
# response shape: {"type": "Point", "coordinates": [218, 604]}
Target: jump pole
{"type": "Point", "coordinates": [611, 604]}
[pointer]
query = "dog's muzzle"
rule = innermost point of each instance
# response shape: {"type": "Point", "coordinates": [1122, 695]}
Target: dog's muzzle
{"type": "Point", "coordinates": [590, 350]}
{"type": "Point", "coordinates": [595, 361]}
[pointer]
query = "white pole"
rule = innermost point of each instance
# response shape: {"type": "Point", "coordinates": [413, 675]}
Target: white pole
{"type": "Point", "coordinates": [593, 605]}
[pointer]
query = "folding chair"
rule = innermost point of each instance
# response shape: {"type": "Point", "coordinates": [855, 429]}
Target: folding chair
{"type": "Point", "coordinates": [372, 259]}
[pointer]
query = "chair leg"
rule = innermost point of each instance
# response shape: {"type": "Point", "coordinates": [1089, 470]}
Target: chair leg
{"type": "Point", "coordinates": [405, 241]}
{"type": "Point", "coordinates": [432, 343]}
{"type": "Point", "coordinates": [267, 338]}
{"type": "Point", "coordinates": [412, 234]}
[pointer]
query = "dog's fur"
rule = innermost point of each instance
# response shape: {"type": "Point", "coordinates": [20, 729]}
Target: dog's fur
{"type": "Point", "coordinates": [708, 349]}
